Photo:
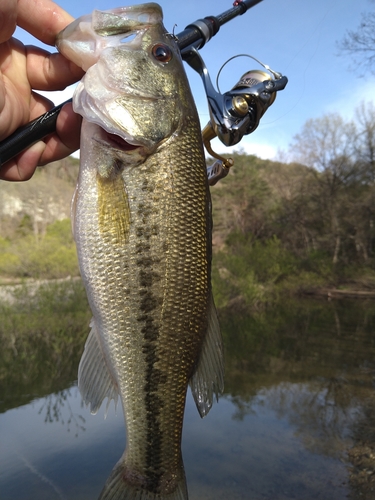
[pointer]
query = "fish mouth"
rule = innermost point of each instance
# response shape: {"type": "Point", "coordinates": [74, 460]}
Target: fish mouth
{"type": "Point", "coordinates": [117, 142]}
{"type": "Point", "coordinates": [120, 143]}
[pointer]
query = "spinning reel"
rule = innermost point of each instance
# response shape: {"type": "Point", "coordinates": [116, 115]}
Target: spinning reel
{"type": "Point", "coordinates": [237, 112]}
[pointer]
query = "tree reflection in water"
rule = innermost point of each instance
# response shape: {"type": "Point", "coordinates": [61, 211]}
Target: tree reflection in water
{"type": "Point", "coordinates": [310, 363]}
{"type": "Point", "coordinates": [57, 408]}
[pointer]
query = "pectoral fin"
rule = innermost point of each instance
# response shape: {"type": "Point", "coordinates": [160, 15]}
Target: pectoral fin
{"type": "Point", "coordinates": [208, 378]}
{"type": "Point", "coordinates": [113, 206]}
{"type": "Point", "coordinates": [95, 381]}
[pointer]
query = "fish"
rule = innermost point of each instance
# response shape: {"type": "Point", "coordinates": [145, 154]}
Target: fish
{"type": "Point", "coordinates": [142, 224]}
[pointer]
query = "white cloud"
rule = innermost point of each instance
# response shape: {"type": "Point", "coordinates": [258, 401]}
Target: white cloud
{"type": "Point", "coordinates": [248, 146]}
{"type": "Point", "coordinates": [349, 99]}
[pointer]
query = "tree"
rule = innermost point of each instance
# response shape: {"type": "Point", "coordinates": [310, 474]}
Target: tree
{"type": "Point", "coordinates": [327, 146]}
{"type": "Point", "coordinates": [365, 156]}
{"type": "Point", "coordinates": [361, 43]}
{"type": "Point", "coordinates": [335, 206]}
{"type": "Point", "coordinates": [365, 143]}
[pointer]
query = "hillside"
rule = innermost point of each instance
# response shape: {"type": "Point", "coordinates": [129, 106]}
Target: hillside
{"type": "Point", "coordinates": [276, 227]}
{"type": "Point", "coordinates": [42, 200]}
{"type": "Point", "coordinates": [35, 233]}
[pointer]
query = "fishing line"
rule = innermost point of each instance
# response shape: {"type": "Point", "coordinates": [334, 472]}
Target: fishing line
{"type": "Point", "coordinates": [318, 39]}
{"type": "Point", "coordinates": [318, 26]}
{"type": "Point", "coordinates": [303, 87]}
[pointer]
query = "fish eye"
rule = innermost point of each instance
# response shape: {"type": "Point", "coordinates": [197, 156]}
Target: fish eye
{"type": "Point", "coordinates": [162, 53]}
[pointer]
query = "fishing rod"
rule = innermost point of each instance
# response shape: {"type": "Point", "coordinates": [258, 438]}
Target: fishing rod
{"type": "Point", "coordinates": [232, 114]}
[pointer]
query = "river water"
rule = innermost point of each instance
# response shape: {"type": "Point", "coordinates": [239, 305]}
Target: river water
{"type": "Point", "coordinates": [296, 421]}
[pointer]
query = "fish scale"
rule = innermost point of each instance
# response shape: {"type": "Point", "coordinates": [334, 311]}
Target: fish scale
{"type": "Point", "coordinates": [142, 225]}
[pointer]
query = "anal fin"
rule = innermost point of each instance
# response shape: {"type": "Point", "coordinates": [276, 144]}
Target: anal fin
{"type": "Point", "coordinates": [95, 381]}
{"type": "Point", "coordinates": [208, 378]}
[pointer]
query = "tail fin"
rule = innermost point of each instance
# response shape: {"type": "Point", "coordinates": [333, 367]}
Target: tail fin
{"type": "Point", "coordinates": [119, 487]}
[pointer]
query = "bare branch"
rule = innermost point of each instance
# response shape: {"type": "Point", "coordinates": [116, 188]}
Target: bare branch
{"type": "Point", "coordinates": [360, 44]}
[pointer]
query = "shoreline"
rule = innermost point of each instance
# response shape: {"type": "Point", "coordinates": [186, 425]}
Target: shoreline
{"type": "Point", "coordinates": [335, 293]}
{"type": "Point", "coordinates": [8, 291]}
{"type": "Point", "coordinates": [9, 286]}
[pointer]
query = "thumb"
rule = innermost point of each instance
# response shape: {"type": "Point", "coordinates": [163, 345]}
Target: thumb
{"type": "Point", "coordinates": [8, 19]}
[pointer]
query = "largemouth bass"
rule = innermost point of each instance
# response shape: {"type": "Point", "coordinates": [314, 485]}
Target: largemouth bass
{"type": "Point", "coordinates": [142, 225]}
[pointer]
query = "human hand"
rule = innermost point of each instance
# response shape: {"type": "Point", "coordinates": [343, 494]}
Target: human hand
{"type": "Point", "coordinates": [24, 69]}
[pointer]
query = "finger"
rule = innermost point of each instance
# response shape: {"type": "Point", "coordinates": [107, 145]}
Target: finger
{"type": "Point", "coordinates": [66, 139]}
{"type": "Point", "coordinates": [42, 18]}
{"type": "Point", "coordinates": [13, 109]}
{"type": "Point", "coordinates": [23, 166]}
{"type": "Point", "coordinates": [68, 127]}
{"type": "Point", "coordinates": [56, 146]}
{"type": "Point", "coordinates": [17, 109]}
{"type": "Point", "coordinates": [14, 87]}
{"type": "Point", "coordinates": [47, 71]}
{"type": "Point", "coordinates": [8, 19]}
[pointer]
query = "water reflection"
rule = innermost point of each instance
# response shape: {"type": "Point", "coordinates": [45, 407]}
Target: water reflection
{"type": "Point", "coordinates": [42, 338]}
{"type": "Point", "coordinates": [57, 408]}
{"type": "Point", "coordinates": [299, 394]}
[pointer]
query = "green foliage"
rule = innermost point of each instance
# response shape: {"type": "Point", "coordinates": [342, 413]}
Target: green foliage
{"type": "Point", "coordinates": [4, 244]}
{"type": "Point", "coordinates": [268, 259]}
{"type": "Point", "coordinates": [9, 263]}
{"type": "Point", "coordinates": [250, 269]}
{"type": "Point", "coordinates": [243, 201]}
{"type": "Point", "coordinates": [318, 262]}
{"type": "Point", "coordinates": [48, 257]}
{"type": "Point", "coordinates": [61, 230]}
{"type": "Point", "coordinates": [25, 227]}
{"type": "Point", "coordinates": [51, 259]}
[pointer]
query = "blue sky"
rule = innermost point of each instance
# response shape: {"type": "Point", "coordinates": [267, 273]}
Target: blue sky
{"type": "Point", "coordinates": [295, 37]}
